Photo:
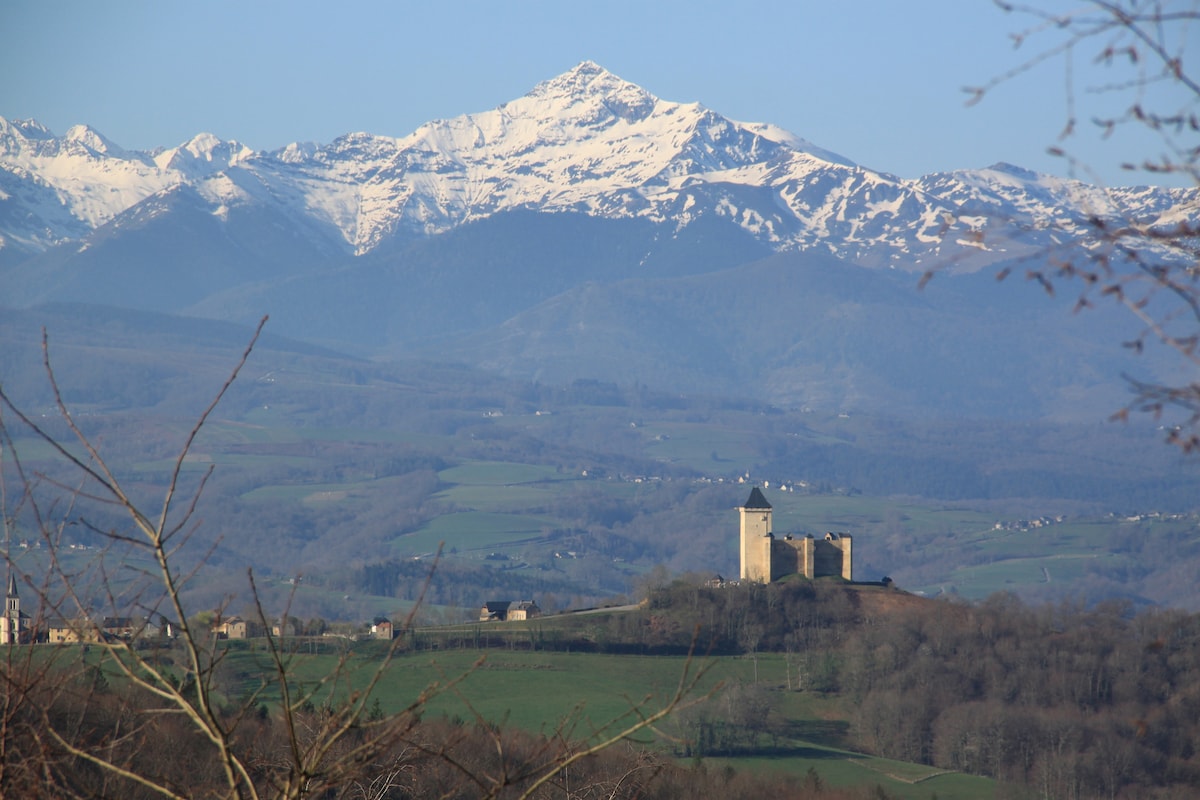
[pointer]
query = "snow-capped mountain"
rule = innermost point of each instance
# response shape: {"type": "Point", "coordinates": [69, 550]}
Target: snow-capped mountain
{"type": "Point", "coordinates": [58, 189]}
{"type": "Point", "coordinates": [590, 230]}
{"type": "Point", "coordinates": [584, 142]}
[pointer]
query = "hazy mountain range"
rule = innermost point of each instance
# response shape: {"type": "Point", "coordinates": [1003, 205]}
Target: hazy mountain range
{"type": "Point", "coordinates": [591, 229]}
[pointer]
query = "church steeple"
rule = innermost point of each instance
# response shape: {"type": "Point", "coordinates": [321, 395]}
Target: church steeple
{"type": "Point", "coordinates": [11, 632]}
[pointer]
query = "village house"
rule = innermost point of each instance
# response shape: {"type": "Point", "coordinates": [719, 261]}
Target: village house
{"type": "Point", "coordinates": [382, 628]}
{"type": "Point", "coordinates": [237, 628]}
{"type": "Point", "coordinates": [508, 610]}
{"type": "Point", "coordinates": [70, 631]}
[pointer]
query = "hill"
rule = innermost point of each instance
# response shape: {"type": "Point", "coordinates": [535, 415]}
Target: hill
{"type": "Point", "coordinates": [346, 470]}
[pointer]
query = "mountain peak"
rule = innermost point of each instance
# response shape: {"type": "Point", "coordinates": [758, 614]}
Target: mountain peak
{"type": "Point", "coordinates": [587, 69]}
{"type": "Point", "coordinates": [208, 147]}
{"type": "Point", "coordinates": [203, 154]}
{"type": "Point", "coordinates": [586, 77]}
{"type": "Point", "coordinates": [589, 83]}
{"type": "Point", "coordinates": [27, 128]}
{"type": "Point", "coordinates": [92, 139]}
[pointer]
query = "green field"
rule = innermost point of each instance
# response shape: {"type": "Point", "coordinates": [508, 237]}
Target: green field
{"type": "Point", "coordinates": [472, 530]}
{"type": "Point", "coordinates": [594, 695]}
{"type": "Point", "coordinates": [695, 445]}
{"type": "Point", "coordinates": [501, 487]}
{"type": "Point", "coordinates": [848, 514]}
{"type": "Point", "coordinates": [489, 498]}
{"type": "Point", "coordinates": [316, 492]}
{"type": "Point", "coordinates": [498, 473]}
{"type": "Point", "coordinates": [500, 499]}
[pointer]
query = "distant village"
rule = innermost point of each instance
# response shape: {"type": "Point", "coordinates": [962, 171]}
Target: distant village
{"type": "Point", "coordinates": [1058, 519]}
{"type": "Point", "coordinates": [21, 628]}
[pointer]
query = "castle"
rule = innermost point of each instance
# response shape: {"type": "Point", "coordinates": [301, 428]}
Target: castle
{"type": "Point", "coordinates": [766, 558]}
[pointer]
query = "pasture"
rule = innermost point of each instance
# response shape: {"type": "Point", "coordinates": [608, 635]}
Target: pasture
{"type": "Point", "coordinates": [591, 696]}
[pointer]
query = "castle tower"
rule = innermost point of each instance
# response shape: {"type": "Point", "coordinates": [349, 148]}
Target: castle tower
{"type": "Point", "coordinates": [756, 538]}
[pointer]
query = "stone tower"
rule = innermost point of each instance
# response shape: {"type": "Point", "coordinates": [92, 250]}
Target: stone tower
{"type": "Point", "coordinates": [756, 538]}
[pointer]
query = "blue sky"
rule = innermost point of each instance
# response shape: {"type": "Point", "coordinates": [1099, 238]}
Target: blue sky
{"type": "Point", "coordinates": [879, 81]}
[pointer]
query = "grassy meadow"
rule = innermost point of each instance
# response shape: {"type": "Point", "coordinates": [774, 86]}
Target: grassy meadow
{"type": "Point", "coordinates": [591, 696]}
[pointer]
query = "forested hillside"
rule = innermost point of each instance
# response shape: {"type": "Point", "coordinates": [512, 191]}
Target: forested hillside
{"type": "Point", "coordinates": [1062, 700]}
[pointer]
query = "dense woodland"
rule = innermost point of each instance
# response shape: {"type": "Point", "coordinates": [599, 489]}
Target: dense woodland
{"type": "Point", "coordinates": [1058, 700]}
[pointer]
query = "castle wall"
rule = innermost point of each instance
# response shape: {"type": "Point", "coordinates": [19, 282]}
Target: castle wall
{"type": "Point", "coordinates": [827, 558]}
{"type": "Point", "coordinates": [785, 558]}
{"type": "Point", "coordinates": [834, 556]}
{"type": "Point", "coordinates": [791, 556]}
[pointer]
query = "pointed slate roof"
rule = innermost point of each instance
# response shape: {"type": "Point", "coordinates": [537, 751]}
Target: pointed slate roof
{"type": "Point", "coordinates": [757, 500]}
{"type": "Point", "coordinates": [12, 585]}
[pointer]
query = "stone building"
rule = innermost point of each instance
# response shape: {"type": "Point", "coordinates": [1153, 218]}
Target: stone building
{"type": "Point", "coordinates": [238, 628]}
{"type": "Point", "coordinates": [508, 610]}
{"type": "Point", "coordinates": [382, 628]}
{"type": "Point", "coordinates": [766, 557]}
{"type": "Point", "coordinates": [71, 631]}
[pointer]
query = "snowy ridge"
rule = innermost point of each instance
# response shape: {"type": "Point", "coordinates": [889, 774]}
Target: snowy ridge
{"type": "Point", "coordinates": [585, 141]}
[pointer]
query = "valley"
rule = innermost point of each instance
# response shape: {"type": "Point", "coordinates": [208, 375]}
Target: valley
{"type": "Point", "coordinates": [540, 354]}
{"type": "Point", "coordinates": [353, 474]}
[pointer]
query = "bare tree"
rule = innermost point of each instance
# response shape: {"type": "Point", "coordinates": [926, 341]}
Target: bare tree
{"type": "Point", "coordinates": [121, 712]}
{"type": "Point", "coordinates": [1150, 267]}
